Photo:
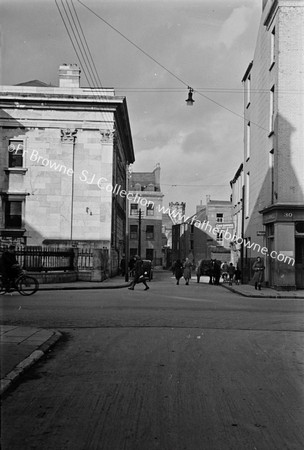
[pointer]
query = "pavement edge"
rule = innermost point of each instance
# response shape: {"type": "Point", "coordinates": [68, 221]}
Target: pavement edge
{"type": "Point", "coordinates": [13, 376]}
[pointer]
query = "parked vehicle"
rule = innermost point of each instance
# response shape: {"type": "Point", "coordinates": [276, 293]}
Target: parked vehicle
{"type": "Point", "coordinates": [148, 269]}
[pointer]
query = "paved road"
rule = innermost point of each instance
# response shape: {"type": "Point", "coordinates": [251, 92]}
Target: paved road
{"type": "Point", "coordinates": [174, 368]}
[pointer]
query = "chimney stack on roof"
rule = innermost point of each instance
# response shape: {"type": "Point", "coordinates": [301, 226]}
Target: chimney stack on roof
{"type": "Point", "coordinates": [69, 76]}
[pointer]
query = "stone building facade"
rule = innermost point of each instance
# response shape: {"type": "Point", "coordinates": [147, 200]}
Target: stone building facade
{"type": "Point", "coordinates": [62, 152]}
{"type": "Point", "coordinates": [145, 216]}
{"type": "Point", "coordinates": [273, 155]}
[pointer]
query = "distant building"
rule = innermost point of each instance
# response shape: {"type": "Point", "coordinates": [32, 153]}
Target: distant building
{"type": "Point", "coordinates": [145, 215]}
{"type": "Point", "coordinates": [205, 235]}
{"type": "Point", "coordinates": [273, 168]}
{"type": "Point", "coordinates": [63, 153]}
{"type": "Point", "coordinates": [177, 211]}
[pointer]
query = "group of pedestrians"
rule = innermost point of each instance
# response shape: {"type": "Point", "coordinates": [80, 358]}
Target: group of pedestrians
{"type": "Point", "coordinates": [215, 270]}
{"type": "Point", "coordinates": [181, 269]}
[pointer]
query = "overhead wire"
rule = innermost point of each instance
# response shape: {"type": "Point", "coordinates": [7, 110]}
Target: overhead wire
{"type": "Point", "coordinates": [83, 53]}
{"type": "Point", "coordinates": [81, 47]}
{"type": "Point", "coordinates": [168, 70]}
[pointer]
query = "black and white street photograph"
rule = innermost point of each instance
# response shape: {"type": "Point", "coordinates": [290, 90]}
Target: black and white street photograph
{"type": "Point", "coordinates": [152, 224]}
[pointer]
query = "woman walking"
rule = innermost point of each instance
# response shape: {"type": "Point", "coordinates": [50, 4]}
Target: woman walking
{"type": "Point", "coordinates": [178, 270]}
{"type": "Point", "coordinates": [258, 268]}
{"type": "Point", "coordinates": [187, 270]}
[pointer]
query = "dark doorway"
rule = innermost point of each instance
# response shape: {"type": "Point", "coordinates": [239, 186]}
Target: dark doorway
{"type": "Point", "coordinates": [299, 262]}
{"type": "Point", "coordinates": [149, 254]}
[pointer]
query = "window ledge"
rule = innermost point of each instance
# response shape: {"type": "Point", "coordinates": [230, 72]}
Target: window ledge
{"type": "Point", "coordinates": [271, 133]}
{"type": "Point", "coordinates": [272, 64]}
{"type": "Point", "coordinates": [20, 170]}
{"type": "Point", "coordinates": [248, 104]}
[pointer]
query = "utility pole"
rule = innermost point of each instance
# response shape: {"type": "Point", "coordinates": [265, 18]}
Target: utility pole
{"type": "Point", "coordinates": [139, 233]}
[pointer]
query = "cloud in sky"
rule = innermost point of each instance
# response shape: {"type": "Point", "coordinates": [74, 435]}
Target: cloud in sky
{"type": "Point", "coordinates": [205, 44]}
{"type": "Point", "coordinates": [234, 26]}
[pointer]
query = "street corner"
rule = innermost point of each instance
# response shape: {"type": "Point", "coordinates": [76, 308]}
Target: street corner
{"type": "Point", "coordinates": [42, 341]}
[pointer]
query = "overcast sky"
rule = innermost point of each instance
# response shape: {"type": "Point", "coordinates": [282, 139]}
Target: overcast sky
{"type": "Point", "coordinates": [205, 44]}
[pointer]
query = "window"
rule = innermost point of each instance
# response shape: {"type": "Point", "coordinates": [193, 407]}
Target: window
{"type": "Point", "coordinates": [191, 244]}
{"type": "Point", "coordinates": [248, 142]}
{"type": "Point", "coordinates": [15, 155]}
{"type": "Point", "coordinates": [133, 252]}
{"type": "Point", "coordinates": [248, 87]}
{"type": "Point", "coordinates": [219, 217]}
{"type": "Point", "coordinates": [219, 238]}
{"type": "Point", "coordinates": [149, 254]}
{"type": "Point", "coordinates": [150, 209]}
{"type": "Point", "coordinates": [150, 232]}
{"type": "Point", "coordinates": [134, 209]}
{"type": "Point", "coordinates": [271, 110]}
{"type": "Point", "coordinates": [133, 232]}
{"type": "Point", "coordinates": [272, 48]}
{"type": "Point", "coordinates": [13, 214]}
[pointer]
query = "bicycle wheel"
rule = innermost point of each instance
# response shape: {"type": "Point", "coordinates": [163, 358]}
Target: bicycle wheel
{"type": "Point", "coordinates": [27, 285]}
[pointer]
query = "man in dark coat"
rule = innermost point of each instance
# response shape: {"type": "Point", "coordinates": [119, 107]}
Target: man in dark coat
{"type": "Point", "coordinates": [217, 272]}
{"type": "Point", "coordinates": [9, 265]}
{"type": "Point", "coordinates": [138, 274]}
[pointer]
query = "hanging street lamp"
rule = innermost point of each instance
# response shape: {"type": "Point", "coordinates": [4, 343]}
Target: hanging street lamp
{"type": "Point", "coordinates": [190, 100]}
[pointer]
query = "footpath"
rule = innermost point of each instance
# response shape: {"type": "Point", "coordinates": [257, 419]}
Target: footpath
{"type": "Point", "coordinates": [21, 346]}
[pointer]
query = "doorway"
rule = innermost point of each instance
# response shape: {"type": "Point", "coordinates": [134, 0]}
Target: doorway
{"type": "Point", "coordinates": [299, 264]}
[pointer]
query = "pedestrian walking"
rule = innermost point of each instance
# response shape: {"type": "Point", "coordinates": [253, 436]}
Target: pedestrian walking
{"type": "Point", "coordinates": [237, 275]}
{"type": "Point", "coordinates": [211, 271]}
{"type": "Point", "coordinates": [231, 272]}
{"type": "Point", "coordinates": [131, 266]}
{"type": "Point", "coordinates": [138, 274]}
{"type": "Point", "coordinates": [123, 266]}
{"type": "Point", "coordinates": [216, 272]}
{"type": "Point", "coordinates": [258, 277]}
{"type": "Point", "coordinates": [224, 270]}
{"type": "Point", "coordinates": [178, 270]}
{"type": "Point", "coordinates": [198, 271]}
{"type": "Point", "coordinates": [187, 270]}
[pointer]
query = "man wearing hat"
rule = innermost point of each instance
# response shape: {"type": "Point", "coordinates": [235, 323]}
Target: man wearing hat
{"type": "Point", "coordinates": [9, 265]}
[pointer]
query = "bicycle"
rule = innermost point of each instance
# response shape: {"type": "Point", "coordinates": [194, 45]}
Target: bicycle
{"type": "Point", "coordinates": [23, 283]}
